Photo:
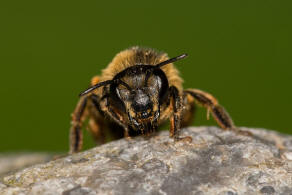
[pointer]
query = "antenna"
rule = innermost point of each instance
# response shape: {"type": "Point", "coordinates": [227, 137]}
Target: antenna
{"type": "Point", "coordinates": [171, 60]}
{"type": "Point", "coordinates": [164, 63]}
{"type": "Point", "coordinates": [95, 87]}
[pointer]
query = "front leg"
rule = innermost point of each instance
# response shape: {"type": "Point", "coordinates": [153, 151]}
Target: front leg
{"type": "Point", "coordinates": [108, 110]}
{"type": "Point", "coordinates": [175, 119]}
{"type": "Point", "coordinates": [219, 113]}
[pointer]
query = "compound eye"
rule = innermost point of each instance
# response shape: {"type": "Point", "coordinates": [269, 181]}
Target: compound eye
{"type": "Point", "coordinates": [123, 93]}
{"type": "Point", "coordinates": [158, 82]}
{"type": "Point", "coordinates": [154, 84]}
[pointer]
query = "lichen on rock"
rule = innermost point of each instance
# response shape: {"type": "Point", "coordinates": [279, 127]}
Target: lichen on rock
{"type": "Point", "coordinates": [215, 162]}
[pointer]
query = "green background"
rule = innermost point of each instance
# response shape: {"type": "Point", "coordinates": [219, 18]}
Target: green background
{"type": "Point", "coordinates": [240, 51]}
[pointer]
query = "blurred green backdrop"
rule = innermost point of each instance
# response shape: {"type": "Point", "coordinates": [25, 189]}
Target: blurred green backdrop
{"type": "Point", "coordinates": [240, 51]}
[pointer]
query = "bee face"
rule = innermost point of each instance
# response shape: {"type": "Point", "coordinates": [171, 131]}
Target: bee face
{"type": "Point", "coordinates": [142, 104]}
{"type": "Point", "coordinates": [141, 90]}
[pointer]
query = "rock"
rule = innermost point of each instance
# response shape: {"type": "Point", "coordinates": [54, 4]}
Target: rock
{"type": "Point", "coordinates": [215, 162]}
{"type": "Point", "coordinates": [12, 162]}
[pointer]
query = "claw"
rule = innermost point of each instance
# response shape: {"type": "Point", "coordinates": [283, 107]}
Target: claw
{"type": "Point", "coordinates": [188, 139]}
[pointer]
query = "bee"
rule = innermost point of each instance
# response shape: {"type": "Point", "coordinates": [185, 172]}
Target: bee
{"type": "Point", "coordinates": [138, 91]}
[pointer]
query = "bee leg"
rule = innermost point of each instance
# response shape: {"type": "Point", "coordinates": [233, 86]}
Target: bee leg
{"type": "Point", "coordinates": [126, 135]}
{"type": "Point", "coordinates": [189, 110]}
{"type": "Point", "coordinates": [78, 116]}
{"type": "Point", "coordinates": [219, 113]}
{"type": "Point", "coordinates": [96, 122]}
{"type": "Point", "coordinates": [115, 116]}
{"type": "Point", "coordinates": [118, 119]}
{"type": "Point", "coordinates": [102, 105]}
{"type": "Point", "coordinates": [175, 119]}
{"type": "Point", "coordinates": [96, 131]}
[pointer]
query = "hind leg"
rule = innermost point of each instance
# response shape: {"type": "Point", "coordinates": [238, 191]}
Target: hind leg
{"type": "Point", "coordinates": [219, 113]}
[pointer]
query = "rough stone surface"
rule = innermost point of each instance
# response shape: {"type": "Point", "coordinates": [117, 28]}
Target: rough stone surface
{"type": "Point", "coordinates": [215, 162]}
{"type": "Point", "coordinates": [10, 162]}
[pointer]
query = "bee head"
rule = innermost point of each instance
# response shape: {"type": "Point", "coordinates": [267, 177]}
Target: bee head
{"type": "Point", "coordinates": [139, 91]}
